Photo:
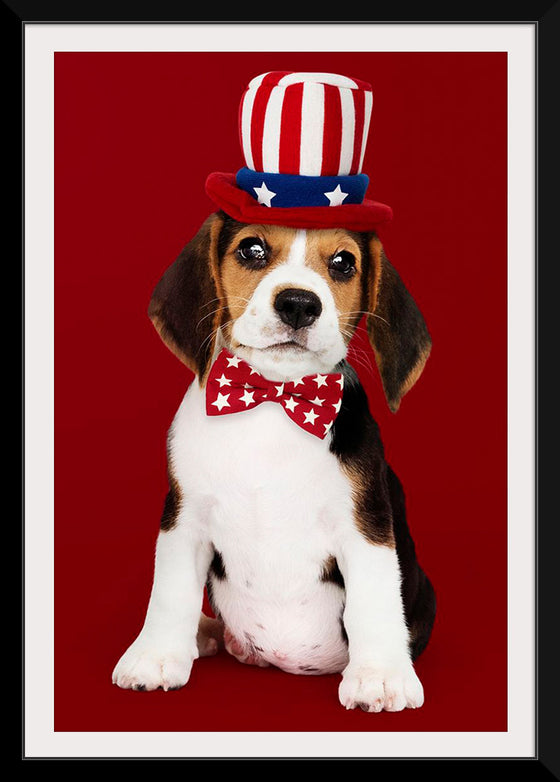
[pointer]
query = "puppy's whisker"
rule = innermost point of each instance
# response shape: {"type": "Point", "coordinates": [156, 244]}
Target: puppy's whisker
{"type": "Point", "coordinates": [355, 354]}
{"type": "Point", "coordinates": [349, 329]}
{"type": "Point", "coordinates": [224, 298]}
{"type": "Point", "coordinates": [360, 357]}
{"type": "Point", "coordinates": [365, 312]}
{"type": "Point", "coordinates": [214, 333]}
{"type": "Point", "coordinates": [348, 325]}
{"type": "Point", "coordinates": [347, 333]}
{"type": "Point", "coordinates": [219, 309]}
{"type": "Point", "coordinates": [211, 301]}
{"type": "Point", "coordinates": [210, 336]}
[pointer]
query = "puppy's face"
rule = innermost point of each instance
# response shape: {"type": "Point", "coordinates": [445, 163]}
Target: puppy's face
{"type": "Point", "coordinates": [293, 296]}
{"type": "Point", "coordinates": [288, 301]}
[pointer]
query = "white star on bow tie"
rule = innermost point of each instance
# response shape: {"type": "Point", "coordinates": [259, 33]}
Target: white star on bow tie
{"type": "Point", "coordinates": [248, 397]}
{"type": "Point", "coordinates": [224, 381]}
{"type": "Point", "coordinates": [291, 403]}
{"type": "Point", "coordinates": [221, 401]}
{"type": "Point", "coordinates": [321, 380]}
{"type": "Point", "coordinates": [310, 417]}
{"type": "Point", "coordinates": [264, 195]}
{"type": "Point", "coordinates": [233, 361]}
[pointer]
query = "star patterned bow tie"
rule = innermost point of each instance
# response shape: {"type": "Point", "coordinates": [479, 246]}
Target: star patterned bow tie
{"type": "Point", "coordinates": [312, 402]}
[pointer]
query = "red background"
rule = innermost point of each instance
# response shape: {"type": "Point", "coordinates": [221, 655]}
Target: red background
{"type": "Point", "coordinates": [135, 137]}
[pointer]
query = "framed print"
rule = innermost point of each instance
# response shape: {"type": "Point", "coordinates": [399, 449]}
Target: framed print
{"type": "Point", "coordinates": [123, 124]}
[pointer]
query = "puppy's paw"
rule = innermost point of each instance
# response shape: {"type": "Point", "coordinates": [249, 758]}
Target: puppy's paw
{"type": "Point", "coordinates": [375, 689]}
{"type": "Point", "coordinates": [144, 667]}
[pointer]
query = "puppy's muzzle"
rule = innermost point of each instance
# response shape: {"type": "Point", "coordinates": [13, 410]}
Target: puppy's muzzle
{"type": "Point", "coordinates": [297, 307]}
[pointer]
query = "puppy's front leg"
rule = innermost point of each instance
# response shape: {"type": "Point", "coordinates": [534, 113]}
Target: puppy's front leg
{"type": "Point", "coordinates": [379, 674]}
{"type": "Point", "coordinates": [163, 653]}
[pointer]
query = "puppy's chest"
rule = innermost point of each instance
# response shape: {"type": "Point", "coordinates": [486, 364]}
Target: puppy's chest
{"type": "Point", "coordinates": [259, 483]}
{"type": "Point", "coordinates": [275, 505]}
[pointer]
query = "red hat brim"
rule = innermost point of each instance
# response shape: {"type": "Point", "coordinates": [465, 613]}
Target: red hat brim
{"type": "Point", "coordinates": [237, 203]}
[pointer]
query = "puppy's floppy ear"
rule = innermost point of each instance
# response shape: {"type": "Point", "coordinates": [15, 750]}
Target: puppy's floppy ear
{"type": "Point", "coordinates": [186, 295]}
{"type": "Point", "coordinates": [397, 331]}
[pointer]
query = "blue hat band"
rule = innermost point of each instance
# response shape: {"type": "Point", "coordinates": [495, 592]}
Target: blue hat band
{"type": "Point", "coordinates": [288, 190]}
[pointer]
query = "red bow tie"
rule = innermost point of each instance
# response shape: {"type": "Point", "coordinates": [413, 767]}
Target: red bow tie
{"type": "Point", "coordinates": [312, 402]}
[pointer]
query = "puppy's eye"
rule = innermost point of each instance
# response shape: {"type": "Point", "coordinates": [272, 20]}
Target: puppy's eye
{"type": "Point", "coordinates": [342, 265]}
{"type": "Point", "coordinates": [252, 252]}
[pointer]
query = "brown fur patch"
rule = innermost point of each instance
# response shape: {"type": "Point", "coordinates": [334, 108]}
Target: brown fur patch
{"type": "Point", "coordinates": [372, 513]}
{"type": "Point", "coordinates": [374, 276]}
{"type": "Point", "coordinates": [416, 370]}
{"type": "Point", "coordinates": [331, 572]}
{"type": "Point", "coordinates": [172, 504]}
{"type": "Point", "coordinates": [173, 499]}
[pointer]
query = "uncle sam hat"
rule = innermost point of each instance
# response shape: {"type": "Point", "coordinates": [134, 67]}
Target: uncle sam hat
{"type": "Point", "coordinates": [303, 138]}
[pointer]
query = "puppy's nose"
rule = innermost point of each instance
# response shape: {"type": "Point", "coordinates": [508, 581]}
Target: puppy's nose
{"type": "Point", "coordinates": [297, 307]}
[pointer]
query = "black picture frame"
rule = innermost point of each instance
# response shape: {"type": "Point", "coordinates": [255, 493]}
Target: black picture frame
{"type": "Point", "coordinates": [15, 14]}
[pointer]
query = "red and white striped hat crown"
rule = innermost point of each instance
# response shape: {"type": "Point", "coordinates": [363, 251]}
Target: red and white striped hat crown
{"type": "Point", "coordinates": [305, 123]}
{"type": "Point", "coordinates": [303, 138]}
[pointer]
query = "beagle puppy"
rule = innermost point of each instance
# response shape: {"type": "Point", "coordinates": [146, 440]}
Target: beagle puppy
{"type": "Point", "coordinates": [301, 540]}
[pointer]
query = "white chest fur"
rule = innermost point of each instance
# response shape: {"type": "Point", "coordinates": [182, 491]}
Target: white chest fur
{"type": "Point", "coordinates": [274, 502]}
